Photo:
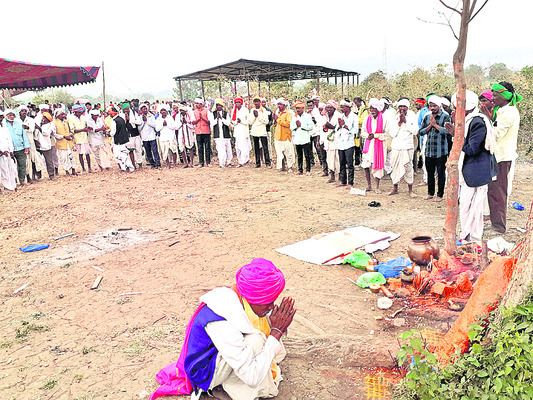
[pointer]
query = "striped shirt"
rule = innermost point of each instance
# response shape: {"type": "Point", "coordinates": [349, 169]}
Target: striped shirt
{"type": "Point", "coordinates": [437, 140]}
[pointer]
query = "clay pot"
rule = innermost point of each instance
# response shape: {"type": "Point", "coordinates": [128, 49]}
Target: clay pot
{"type": "Point", "coordinates": [421, 249]}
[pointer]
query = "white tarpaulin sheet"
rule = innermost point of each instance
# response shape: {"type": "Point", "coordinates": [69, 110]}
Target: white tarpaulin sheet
{"type": "Point", "coordinates": [323, 248]}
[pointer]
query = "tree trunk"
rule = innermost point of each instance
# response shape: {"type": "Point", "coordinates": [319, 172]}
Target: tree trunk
{"type": "Point", "coordinates": [452, 191]}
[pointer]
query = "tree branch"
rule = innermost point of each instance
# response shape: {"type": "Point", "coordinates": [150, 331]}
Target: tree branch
{"type": "Point", "coordinates": [449, 7]}
{"type": "Point", "coordinates": [477, 12]}
{"type": "Point", "coordinates": [449, 24]}
{"type": "Point", "coordinates": [440, 23]}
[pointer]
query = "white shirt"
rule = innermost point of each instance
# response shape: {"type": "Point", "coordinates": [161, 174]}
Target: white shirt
{"type": "Point", "coordinates": [168, 132]}
{"type": "Point", "coordinates": [329, 138]}
{"type": "Point", "coordinates": [241, 130]}
{"type": "Point", "coordinates": [47, 132]}
{"type": "Point", "coordinates": [315, 113]}
{"type": "Point", "coordinates": [402, 136]}
{"type": "Point", "coordinates": [258, 124]}
{"type": "Point", "coordinates": [95, 138]}
{"type": "Point", "coordinates": [346, 134]}
{"type": "Point", "coordinates": [506, 133]}
{"type": "Point", "coordinates": [228, 337]}
{"type": "Point", "coordinates": [213, 120]}
{"type": "Point", "coordinates": [147, 128]}
{"type": "Point", "coordinates": [6, 143]}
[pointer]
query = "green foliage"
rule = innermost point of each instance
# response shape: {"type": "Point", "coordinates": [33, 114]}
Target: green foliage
{"type": "Point", "coordinates": [21, 334]}
{"type": "Point", "coordinates": [500, 368]}
{"type": "Point", "coordinates": [54, 96]}
{"type": "Point", "coordinates": [50, 384]}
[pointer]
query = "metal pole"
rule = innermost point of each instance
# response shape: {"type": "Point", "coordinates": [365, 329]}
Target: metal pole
{"type": "Point", "coordinates": [203, 92]}
{"type": "Point", "coordinates": [342, 84]}
{"type": "Point", "coordinates": [248, 84]}
{"type": "Point", "coordinates": [103, 84]}
{"type": "Point", "coordinates": [259, 88]}
{"type": "Point", "coordinates": [220, 88]}
{"type": "Point", "coordinates": [235, 87]}
{"type": "Point", "coordinates": [358, 79]}
{"type": "Point", "coordinates": [318, 83]}
{"type": "Point", "coordinates": [181, 90]}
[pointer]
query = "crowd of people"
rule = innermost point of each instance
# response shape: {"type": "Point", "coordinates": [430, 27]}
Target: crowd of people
{"type": "Point", "coordinates": [344, 135]}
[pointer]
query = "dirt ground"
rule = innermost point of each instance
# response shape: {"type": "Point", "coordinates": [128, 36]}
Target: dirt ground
{"type": "Point", "coordinates": [191, 229]}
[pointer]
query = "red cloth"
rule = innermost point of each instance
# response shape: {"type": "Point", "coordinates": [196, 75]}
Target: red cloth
{"type": "Point", "coordinates": [379, 156]}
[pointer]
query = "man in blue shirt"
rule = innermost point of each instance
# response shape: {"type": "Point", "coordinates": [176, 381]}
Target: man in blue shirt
{"type": "Point", "coordinates": [20, 144]}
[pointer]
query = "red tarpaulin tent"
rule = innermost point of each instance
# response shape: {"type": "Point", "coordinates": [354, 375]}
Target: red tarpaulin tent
{"type": "Point", "coordinates": [19, 75]}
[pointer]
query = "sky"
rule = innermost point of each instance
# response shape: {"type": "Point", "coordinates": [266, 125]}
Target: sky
{"type": "Point", "coordinates": [145, 44]}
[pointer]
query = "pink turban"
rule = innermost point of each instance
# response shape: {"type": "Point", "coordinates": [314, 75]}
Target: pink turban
{"type": "Point", "coordinates": [333, 103]}
{"type": "Point", "coordinates": [487, 94]}
{"type": "Point", "coordinates": [260, 282]}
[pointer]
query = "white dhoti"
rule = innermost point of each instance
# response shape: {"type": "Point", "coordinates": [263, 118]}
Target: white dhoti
{"type": "Point", "coordinates": [100, 155]}
{"type": "Point", "coordinates": [167, 146]}
{"type": "Point", "coordinates": [225, 154]}
{"type": "Point", "coordinates": [243, 146]}
{"type": "Point", "coordinates": [332, 158]}
{"type": "Point", "coordinates": [8, 172]}
{"type": "Point", "coordinates": [401, 162]}
{"type": "Point", "coordinates": [235, 387]}
{"type": "Point", "coordinates": [66, 159]}
{"type": "Point", "coordinates": [284, 148]}
{"type": "Point", "coordinates": [367, 160]}
{"type": "Point", "coordinates": [135, 144]}
{"type": "Point", "coordinates": [34, 157]}
{"type": "Point", "coordinates": [122, 157]}
{"type": "Point", "coordinates": [471, 201]}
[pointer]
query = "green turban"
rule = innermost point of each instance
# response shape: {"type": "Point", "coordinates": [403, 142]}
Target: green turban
{"type": "Point", "coordinates": [125, 105]}
{"type": "Point", "coordinates": [513, 97]}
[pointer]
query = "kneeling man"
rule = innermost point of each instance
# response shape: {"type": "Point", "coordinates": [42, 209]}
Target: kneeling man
{"type": "Point", "coordinates": [231, 341]}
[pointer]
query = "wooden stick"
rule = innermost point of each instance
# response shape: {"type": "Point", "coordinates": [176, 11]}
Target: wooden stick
{"type": "Point", "coordinates": [172, 244]}
{"type": "Point", "coordinates": [97, 282]}
{"type": "Point", "coordinates": [386, 291]}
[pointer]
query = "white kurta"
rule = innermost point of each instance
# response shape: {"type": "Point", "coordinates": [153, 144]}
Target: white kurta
{"type": "Point", "coordinates": [223, 144]}
{"type": "Point", "coordinates": [402, 147]}
{"type": "Point", "coordinates": [245, 355]}
{"type": "Point", "coordinates": [241, 133]}
{"type": "Point", "coordinates": [167, 138]}
{"type": "Point", "coordinates": [8, 169]}
{"type": "Point", "coordinates": [368, 158]}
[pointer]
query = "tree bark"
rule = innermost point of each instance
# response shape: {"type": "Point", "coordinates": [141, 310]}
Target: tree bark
{"type": "Point", "coordinates": [452, 191]}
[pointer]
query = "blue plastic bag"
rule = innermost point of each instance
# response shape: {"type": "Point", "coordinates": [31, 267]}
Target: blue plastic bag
{"type": "Point", "coordinates": [518, 206]}
{"type": "Point", "coordinates": [392, 268]}
{"type": "Point", "coordinates": [34, 247]}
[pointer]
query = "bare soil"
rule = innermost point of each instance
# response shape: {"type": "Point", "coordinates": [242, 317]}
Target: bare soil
{"type": "Point", "coordinates": [162, 238]}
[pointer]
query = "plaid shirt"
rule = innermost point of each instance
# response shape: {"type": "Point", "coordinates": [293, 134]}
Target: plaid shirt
{"type": "Point", "coordinates": [437, 140]}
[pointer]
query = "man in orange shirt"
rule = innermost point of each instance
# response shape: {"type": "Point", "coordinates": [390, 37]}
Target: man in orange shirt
{"type": "Point", "coordinates": [202, 132]}
{"type": "Point", "coordinates": [283, 136]}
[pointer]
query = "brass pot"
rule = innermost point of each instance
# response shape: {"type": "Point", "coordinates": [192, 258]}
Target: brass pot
{"type": "Point", "coordinates": [422, 248]}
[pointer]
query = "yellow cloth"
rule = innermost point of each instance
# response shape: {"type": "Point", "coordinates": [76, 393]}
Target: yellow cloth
{"type": "Point", "coordinates": [262, 325]}
{"type": "Point", "coordinates": [283, 131]}
{"type": "Point", "coordinates": [62, 129]}
{"type": "Point", "coordinates": [76, 123]}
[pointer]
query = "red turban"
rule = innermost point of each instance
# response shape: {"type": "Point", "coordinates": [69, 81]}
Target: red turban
{"type": "Point", "coordinates": [420, 101]}
{"type": "Point", "coordinates": [333, 103]}
{"type": "Point", "coordinates": [260, 282]}
{"type": "Point", "coordinates": [234, 116]}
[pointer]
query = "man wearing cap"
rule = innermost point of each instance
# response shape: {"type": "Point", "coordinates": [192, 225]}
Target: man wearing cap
{"type": "Point", "coordinates": [331, 120]}
{"type": "Point", "coordinates": [220, 123]}
{"type": "Point", "coordinates": [317, 118]}
{"type": "Point", "coordinates": [234, 339]}
{"type": "Point", "coordinates": [64, 143]}
{"type": "Point", "coordinates": [203, 133]}
{"type": "Point", "coordinates": [78, 128]}
{"type": "Point", "coordinates": [48, 131]}
{"type": "Point", "coordinates": [345, 132]}
{"type": "Point", "coordinates": [241, 131]}
{"type": "Point", "coordinates": [20, 143]}
{"type": "Point", "coordinates": [475, 172]}
{"type": "Point", "coordinates": [506, 133]}
{"type": "Point", "coordinates": [8, 169]}
{"type": "Point", "coordinates": [34, 161]}
{"type": "Point", "coordinates": [301, 128]}
{"type": "Point", "coordinates": [97, 131]}
{"type": "Point", "coordinates": [283, 137]}
{"type": "Point", "coordinates": [258, 120]}
{"type": "Point", "coordinates": [437, 146]}
{"type": "Point", "coordinates": [120, 136]}
{"type": "Point", "coordinates": [404, 131]}
{"type": "Point", "coordinates": [132, 125]}
{"type": "Point", "coordinates": [166, 127]}
{"type": "Point", "coordinates": [185, 135]}
{"type": "Point", "coordinates": [148, 136]}
{"type": "Point", "coordinates": [375, 131]}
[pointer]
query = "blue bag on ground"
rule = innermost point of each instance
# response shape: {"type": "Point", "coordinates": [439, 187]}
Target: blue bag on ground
{"type": "Point", "coordinates": [34, 247]}
{"type": "Point", "coordinates": [392, 268]}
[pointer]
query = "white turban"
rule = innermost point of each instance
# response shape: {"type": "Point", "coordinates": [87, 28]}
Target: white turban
{"type": "Point", "coordinates": [386, 100]}
{"type": "Point", "coordinates": [95, 112]}
{"type": "Point", "coordinates": [44, 107]}
{"type": "Point", "coordinates": [435, 100]}
{"type": "Point", "coordinates": [199, 100]}
{"type": "Point", "coordinates": [403, 102]}
{"type": "Point", "coordinates": [321, 105]}
{"type": "Point", "coordinates": [345, 103]}
{"type": "Point", "coordinates": [58, 111]}
{"type": "Point", "coordinates": [471, 100]}
{"type": "Point", "coordinates": [163, 107]}
{"type": "Point", "coordinates": [22, 107]}
{"type": "Point", "coordinates": [284, 102]}
{"type": "Point", "coordinates": [377, 104]}
{"type": "Point", "coordinates": [445, 101]}
{"type": "Point", "coordinates": [9, 111]}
